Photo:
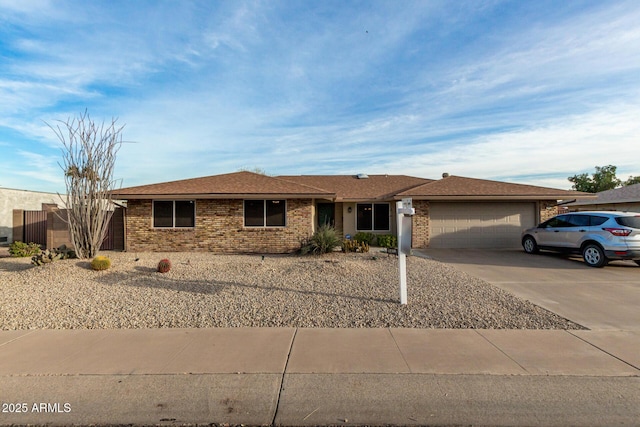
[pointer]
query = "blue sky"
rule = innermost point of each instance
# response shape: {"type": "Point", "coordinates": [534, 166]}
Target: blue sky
{"type": "Point", "coordinates": [520, 91]}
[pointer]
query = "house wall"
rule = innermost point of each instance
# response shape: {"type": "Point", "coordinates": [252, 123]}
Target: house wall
{"type": "Point", "coordinates": [348, 219]}
{"type": "Point", "coordinates": [11, 199]}
{"type": "Point", "coordinates": [219, 228]}
{"type": "Point", "coordinates": [420, 224]}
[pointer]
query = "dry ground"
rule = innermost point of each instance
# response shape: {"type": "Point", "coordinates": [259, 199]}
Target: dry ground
{"type": "Point", "coordinates": [207, 290]}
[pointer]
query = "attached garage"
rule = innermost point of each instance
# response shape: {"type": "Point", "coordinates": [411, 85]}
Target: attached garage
{"type": "Point", "coordinates": [479, 224]}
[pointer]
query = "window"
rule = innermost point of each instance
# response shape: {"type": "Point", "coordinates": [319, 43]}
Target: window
{"type": "Point", "coordinates": [557, 222]}
{"type": "Point", "coordinates": [365, 217]}
{"type": "Point", "coordinates": [275, 212]}
{"type": "Point", "coordinates": [594, 221]}
{"type": "Point", "coordinates": [373, 216]}
{"type": "Point", "coordinates": [185, 213]}
{"type": "Point", "coordinates": [162, 214]}
{"type": "Point", "coordinates": [579, 220]}
{"type": "Point", "coordinates": [174, 213]}
{"type": "Point", "coordinates": [628, 221]}
{"type": "Point", "coordinates": [381, 217]}
{"type": "Point", "coordinates": [265, 213]}
{"type": "Point", "coordinates": [254, 213]}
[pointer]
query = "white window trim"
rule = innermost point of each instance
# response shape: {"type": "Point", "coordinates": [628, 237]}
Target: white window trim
{"type": "Point", "coordinates": [264, 214]}
{"type": "Point", "coordinates": [373, 218]}
{"type": "Point", "coordinates": [173, 216]}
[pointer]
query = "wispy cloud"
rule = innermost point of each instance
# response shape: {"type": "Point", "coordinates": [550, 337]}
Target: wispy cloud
{"type": "Point", "coordinates": [486, 89]}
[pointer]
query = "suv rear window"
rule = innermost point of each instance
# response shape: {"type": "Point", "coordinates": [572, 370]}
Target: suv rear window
{"type": "Point", "coordinates": [629, 221]}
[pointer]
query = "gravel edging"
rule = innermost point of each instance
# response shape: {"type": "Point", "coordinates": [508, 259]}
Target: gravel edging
{"type": "Point", "coordinates": [206, 290]}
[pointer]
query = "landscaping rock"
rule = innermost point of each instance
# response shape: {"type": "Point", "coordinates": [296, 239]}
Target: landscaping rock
{"type": "Point", "coordinates": [206, 290]}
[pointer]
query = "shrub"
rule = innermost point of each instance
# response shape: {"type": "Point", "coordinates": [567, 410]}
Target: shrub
{"type": "Point", "coordinates": [164, 265]}
{"type": "Point", "coordinates": [324, 240]}
{"type": "Point", "coordinates": [47, 256]}
{"type": "Point", "coordinates": [387, 241]}
{"type": "Point", "coordinates": [100, 263]}
{"type": "Point", "coordinates": [22, 250]}
{"type": "Point", "coordinates": [355, 246]}
{"type": "Point", "coordinates": [364, 237]}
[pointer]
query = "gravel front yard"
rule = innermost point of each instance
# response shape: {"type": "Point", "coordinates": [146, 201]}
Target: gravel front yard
{"type": "Point", "coordinates": [205, 290]}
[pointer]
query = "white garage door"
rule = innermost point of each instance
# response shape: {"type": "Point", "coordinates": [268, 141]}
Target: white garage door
{"type": "Point", "coordinates": [479, 225]}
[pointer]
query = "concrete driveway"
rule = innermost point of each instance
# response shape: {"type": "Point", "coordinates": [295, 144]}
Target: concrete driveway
{"type": "Point", "coordinates": [598, 298]}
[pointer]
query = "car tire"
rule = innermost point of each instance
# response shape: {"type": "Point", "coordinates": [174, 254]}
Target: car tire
{"type": "Point", "coordinates": [593, 256]}
{"type": "Point", "coordinates": [530, 246]}
{"type": "Point", "coordinates": [637, 261]}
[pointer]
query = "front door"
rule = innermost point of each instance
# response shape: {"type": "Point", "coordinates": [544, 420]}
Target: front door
{"type": "Point", "coordinates": [326, 214]}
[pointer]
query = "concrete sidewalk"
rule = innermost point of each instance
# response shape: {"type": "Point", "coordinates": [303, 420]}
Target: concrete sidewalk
{"type": "Point", "coordinates": [288, 376]}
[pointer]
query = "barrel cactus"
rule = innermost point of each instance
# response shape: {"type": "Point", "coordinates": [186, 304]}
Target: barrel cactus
{"type": "Point", "coordinates": [164, 265]}
{"type": "Point", "coordinates": [100, 263]}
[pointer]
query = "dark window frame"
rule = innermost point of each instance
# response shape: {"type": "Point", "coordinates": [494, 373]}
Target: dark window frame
{"type": "Point", "coordinates": [372, 219]}
{"type": "Point", "coordinates": [173, 215]}
{"type": "Point", "coordinates": [268, 216]}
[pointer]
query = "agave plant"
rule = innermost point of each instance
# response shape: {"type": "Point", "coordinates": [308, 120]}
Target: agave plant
{"type": "Point", "coordinates": [323, 241]}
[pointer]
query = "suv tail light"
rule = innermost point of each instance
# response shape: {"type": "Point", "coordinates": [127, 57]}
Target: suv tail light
{"type": "Point", "coordinates": [619, 231]}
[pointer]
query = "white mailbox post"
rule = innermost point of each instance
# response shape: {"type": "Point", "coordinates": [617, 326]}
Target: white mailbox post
{"type": "Point", "coordinates": [404, 212]}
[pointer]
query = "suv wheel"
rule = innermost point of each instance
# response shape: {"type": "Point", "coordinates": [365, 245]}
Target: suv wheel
{"type": "Point", "coordinates": [594, 255]}
{"type": "Point", "coordinates": [529, 244]}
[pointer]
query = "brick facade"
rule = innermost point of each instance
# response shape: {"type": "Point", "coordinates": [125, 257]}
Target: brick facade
{"type": "Point", "coordinates": [548, 209]}
{"type": "Point", "coordinates": [219, 228]}
{"type": "Point", "coordinates": [420, 225]}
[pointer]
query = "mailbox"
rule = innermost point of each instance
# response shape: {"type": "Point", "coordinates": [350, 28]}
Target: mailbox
{"type": "Point", "coordinates": [407, 208]}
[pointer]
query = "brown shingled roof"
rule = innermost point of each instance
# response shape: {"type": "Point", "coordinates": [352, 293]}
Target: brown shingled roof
{"type": "Point", "coordinates": [352, 188]}
{"type": "Point", "coordinates": [457, 187]}
{"type": "Point", "coordinates": [238, 184]}
{"type": "Point", "coordinates": [344, 188]}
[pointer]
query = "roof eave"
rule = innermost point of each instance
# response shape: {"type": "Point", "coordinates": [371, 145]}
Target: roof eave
{"type": "Point", "coordinates": [222, 196]}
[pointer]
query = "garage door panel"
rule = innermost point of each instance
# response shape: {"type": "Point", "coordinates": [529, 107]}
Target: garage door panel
{"type": "Point", "coordinates": [479, 225]}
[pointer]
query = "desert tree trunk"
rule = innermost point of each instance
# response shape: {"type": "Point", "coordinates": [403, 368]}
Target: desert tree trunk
{"type": "Point", "coordinates": [89, 155]}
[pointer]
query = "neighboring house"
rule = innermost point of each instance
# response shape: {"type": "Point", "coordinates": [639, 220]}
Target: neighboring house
{"type": "Point", "coordinates": [619, 199]}
{"type": "Point", "coordinates": [248, 212]}
{"type": "Point", "coordinates": [11, 199]}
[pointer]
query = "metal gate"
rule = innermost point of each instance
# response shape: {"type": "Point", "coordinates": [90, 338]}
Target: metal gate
{"type": "Point", "coordinates": [114, 239]}
{"type": "Point", "coordinates": [35, 227]}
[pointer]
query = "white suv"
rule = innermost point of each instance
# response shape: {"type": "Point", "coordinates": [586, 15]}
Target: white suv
{"type": "Point", "coordinates": [599, 236]}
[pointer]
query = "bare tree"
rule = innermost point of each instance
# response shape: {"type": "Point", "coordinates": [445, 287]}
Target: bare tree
{"type": "Point", "coordinates": [89, 156]}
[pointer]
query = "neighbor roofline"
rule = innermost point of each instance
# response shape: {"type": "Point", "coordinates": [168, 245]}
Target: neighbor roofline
{"type": "Point", "coordinates": [591, 202]}
{"type": "Point", "coordinates": [484, 197]}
